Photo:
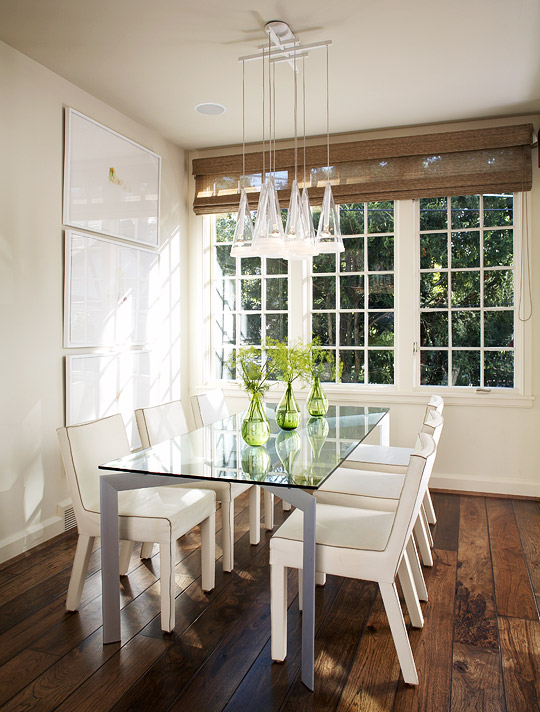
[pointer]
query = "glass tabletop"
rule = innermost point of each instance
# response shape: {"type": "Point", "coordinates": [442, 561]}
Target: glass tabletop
{"type": "Point", "coordinates": [304, 457]}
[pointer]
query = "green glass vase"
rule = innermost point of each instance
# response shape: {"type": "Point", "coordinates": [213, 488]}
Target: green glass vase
{"type": "Point", "coordinates": [256, 462]}
{"type": "Point", "coordinates": [288, 412]}
{"type": "Point", "coordinates": [317, 432]}
{"type": "Point", "coordinates": [287, 446]}
{"type": "Point", "coordinates": [317, 402]}
{"type": "Point", "coordinates": [255, 426]}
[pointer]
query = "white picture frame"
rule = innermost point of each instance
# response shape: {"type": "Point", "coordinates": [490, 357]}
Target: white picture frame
{"type": "Point", "coordinates": [111, 292]}
{"type": "Point", "coordinates": [111, 183]}
{"type": "Point", "coordinates": [99, 385]}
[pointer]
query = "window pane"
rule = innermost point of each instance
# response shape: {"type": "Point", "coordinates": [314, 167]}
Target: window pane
{"type": "Point", "coordinates": [277, 293]}
{"type": "Point", "coordinates": [324, 328]}
{"type": "Point", "coordinates": [277, 326]}
{"type": "Point", "coordinates": [465, 211]}
{"type": "Point", "coordinates": [225, 291]}
{"type": "Point", "coordinates": [352, 292]}
{"type": "Point", "coordinates": [225, 227]}
{"type": "Point", "coordinates": [466, 249]}
{"type": "Point", "coordinates": [466, 368]}
{"type": "Point", "coordinates": [381, 253]}
{"type": "Point", "coordinates": [499, 369]}
{"type": "Point", "coordinates": [434, 368]}
{"type": "Point", "coordinates": [434, 289]}
{"type": "Point", "coordinates": [250, 294]}
{"type": "Point", "coordinates": [226, 265]}
{"type": "Point", "coordinates": [466, 328]}
{"type": "Point", "coordinates": [222, 369]}
{"type": "Point", "coordinates": [433, 214]}
{"type": "Point", "coordinates": [353, 366]}
{"type": "Point", "coordinates": [499, 328]}
{"type": "Point", "coordinates": [434, 251]}
{"type": "Point", "coordinates": [434, 328]}
{"type": "Point", "coordinates": [324, 263]}
{"type": "Point", "coordinates": [381, 329]}
{"type": "Point", "coordinates": [498, 288]}
{"type": "Point", "coordinates": [498, 210]}
{"type": "Point", "coordinates": [381, 291]}
{"type": "Point", "coordinates": [381, 366]}
{"type": "Point", "coordinates": [498, 248]}
{"type": "Point", "coordinates": [352, 219]}
{"type": "Point", "coordinates": [465, 289]}
{"type": "Point", "coordinates": [351, 328]}
{"type": "Point", "coordinates": [250, 328]}
{"type": "Point", "coordinates": [381, 216]}
{"type": "Point", "coordinates": [277, 266]}
{"type": "Point", "coordinates": [324, 292]}
{"type": "Point", "coordinates": [352, 260]}
{"type": "Point", "coordinates": [250, 265]}
{"type": "Point", "coordinates": [226, 326]}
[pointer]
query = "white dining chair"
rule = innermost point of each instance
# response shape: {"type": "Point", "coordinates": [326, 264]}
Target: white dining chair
{"type": "Point", "coordinates": [163, 422]}
{"type": "Point", "coordinates": [394, 459]}
{"type": "Point", "coordinates": [211, 406]}
{"type": "Point", "coordinates": [357, 543]}
{"type": "Point", "coordinates": [157, 514]}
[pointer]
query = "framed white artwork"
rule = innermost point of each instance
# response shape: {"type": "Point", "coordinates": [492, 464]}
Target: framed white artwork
{"type": "Point", "coordinates": [111, 184]}
{"type": "Point", "coordinates": [111, 292]}
{"type": "Point", "coordinates": [98, 385]}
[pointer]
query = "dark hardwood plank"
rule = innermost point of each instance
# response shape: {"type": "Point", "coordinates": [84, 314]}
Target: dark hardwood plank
{"type": "Point", "coordinates": [374, 675]}
{"type": "Point", "coordinates": [513, 593]}
{"type": "Point", "coordinates": [445, 532]}
{"type": "Point", "coordinates": [477, 684]}
{"type": "Point", "coordinates": [432, 645]}
{"type": "Point", "coordinates": [528, 521]}
{"type": "Point", "coordinates": [22, 670]}
{"type": "Point", "coordinates": [520, 643]}
{"type": "Point", "coordinates": [475, 616]}
{"type": "Point", "coordinates": [269, 682]}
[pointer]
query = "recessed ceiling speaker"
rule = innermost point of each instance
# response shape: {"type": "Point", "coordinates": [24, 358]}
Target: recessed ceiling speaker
{"type": "Point", "coordinates": [210, 108]}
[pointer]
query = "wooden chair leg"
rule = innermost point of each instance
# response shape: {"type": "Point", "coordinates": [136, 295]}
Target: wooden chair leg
{"type": "Point", "coordinates": [168, 584]}
{"type": "Point", "coordinates": [268, 503]}
{"type": "Point", "coordinates": [254, 515]}
{"type": "Point", "coordinates": [227, 531]}
{"type": "Point", "coordinates": [423, 542]}
{"type": "Point", "coordinates": [278, 611]}
{"type": "Point", "coordinates": [147, 549]}
{"type": "Point", "coordinates": [78, 571]}
{"type": "Point", "coordinates": [416, 569]}
{"type": "Point", "coordinates": [208, 553]}
{"type": "Point", "coordinates": [409, 592]}
{"type": "Point", "coordinates": [126, 550]}
{"type": "Point", "coordinates": [394, 613]}
{"type": "Point", "coordinates": [430, 510]}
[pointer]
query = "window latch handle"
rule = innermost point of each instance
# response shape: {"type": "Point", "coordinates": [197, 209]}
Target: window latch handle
{"type": "Point", "coordinates": [415, 347]}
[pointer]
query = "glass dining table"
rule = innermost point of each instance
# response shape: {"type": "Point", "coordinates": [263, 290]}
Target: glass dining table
{"type": "Point", "coordinates": [291, 465]}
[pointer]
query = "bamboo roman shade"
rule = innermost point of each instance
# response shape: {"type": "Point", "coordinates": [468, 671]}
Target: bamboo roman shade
{"type": "Point", "coordinates": [452, 163]}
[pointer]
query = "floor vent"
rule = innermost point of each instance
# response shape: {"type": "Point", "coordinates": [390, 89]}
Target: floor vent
{"type": "Point", "coordinates": [69, 519]}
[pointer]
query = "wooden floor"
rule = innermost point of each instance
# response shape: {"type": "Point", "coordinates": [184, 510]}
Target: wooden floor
{"type": "Point", "coordinates": [479, 648]}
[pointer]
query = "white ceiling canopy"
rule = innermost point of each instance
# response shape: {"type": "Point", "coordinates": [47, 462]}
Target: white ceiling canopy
{"type": "Point", "coordinates": [393, 63]}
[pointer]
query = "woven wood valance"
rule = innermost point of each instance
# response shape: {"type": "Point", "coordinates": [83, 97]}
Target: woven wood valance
{"type": "Point", "coordinates": [453, 163]}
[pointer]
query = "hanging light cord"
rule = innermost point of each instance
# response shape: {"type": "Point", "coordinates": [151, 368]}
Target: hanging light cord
{"type": "Point", "coordinates": [295, 119]}
{"type": "Point", "coordinates": [243, 118]}
{"type": "Point", "coordinates": [304, 112]}
{"type": "Point", "coordinates": [327, 118]}
{"type": "Point", "coordinates": [274, 110]}
{"type": "Point", "coordinates": [270, 103]}
{"type": "Point", "coordinates": [263, 127]}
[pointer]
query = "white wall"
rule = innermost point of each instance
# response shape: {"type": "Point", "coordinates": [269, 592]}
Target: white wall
{"type": "Point", "coordinates": [487, 445]}
{"type": "Point", "coordinates": [32, 481]}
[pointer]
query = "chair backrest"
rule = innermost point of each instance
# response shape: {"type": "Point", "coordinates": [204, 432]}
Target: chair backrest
{"type": "Point", "coordinates": [433, 425]}
{"type": "Point", "coordinates": [434, 403]}
{"type": "Point", "coordinates": [161, 422]}
{"type": "Point", "coordinates": [209, 407]}
{"type": "Point", "coordinates": [83, 448]}
{"type": "Point", "coordinates": [415, 486]}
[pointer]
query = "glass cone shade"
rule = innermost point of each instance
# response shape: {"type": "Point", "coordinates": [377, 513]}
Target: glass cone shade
{"type": "Point", "coordinates": [269, 237]}
{"type": "Point", "coordinates": [243, 235]}
{"type": "Point", "coordinates": [299, 242]}
{"type": "Point", "coordinates": [329, 233]}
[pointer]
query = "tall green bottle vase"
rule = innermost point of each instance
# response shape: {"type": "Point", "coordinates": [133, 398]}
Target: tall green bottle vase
{"type": "Point", "coordinates": [288, 412]}
{"type": "Point", "coordinates": [317, 402]}
{"type": "Point", "coordinates": [255, 426]}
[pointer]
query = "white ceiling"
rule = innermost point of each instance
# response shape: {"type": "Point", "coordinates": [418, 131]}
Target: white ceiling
{"type": "Point", "coordinates": [392, 62]}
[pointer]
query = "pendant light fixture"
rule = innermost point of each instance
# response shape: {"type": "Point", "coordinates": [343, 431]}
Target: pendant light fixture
{"type": "Point", "coordinates": [329, 232]}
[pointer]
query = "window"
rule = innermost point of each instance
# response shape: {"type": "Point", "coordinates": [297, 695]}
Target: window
{"type": "Point", "coordinates": [353, 295]}
{"type": "Point", "coordinates": [467, 291]}
{"type": "Point", "coordinates": [422, 296]}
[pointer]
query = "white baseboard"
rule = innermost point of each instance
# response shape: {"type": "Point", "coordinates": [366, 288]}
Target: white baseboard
{"type": "Point", "coordinates": [32, 536]}
{"type": "Point", "coordinates": [467, 483]}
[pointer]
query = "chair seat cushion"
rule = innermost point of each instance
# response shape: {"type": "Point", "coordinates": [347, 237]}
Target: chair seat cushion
{"type": "Point", "coordinates": [396, 456]}
{"type": "Point", "coordinates": [342, 527]}
{"type": "Point", "coordinates": [364, 482]}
